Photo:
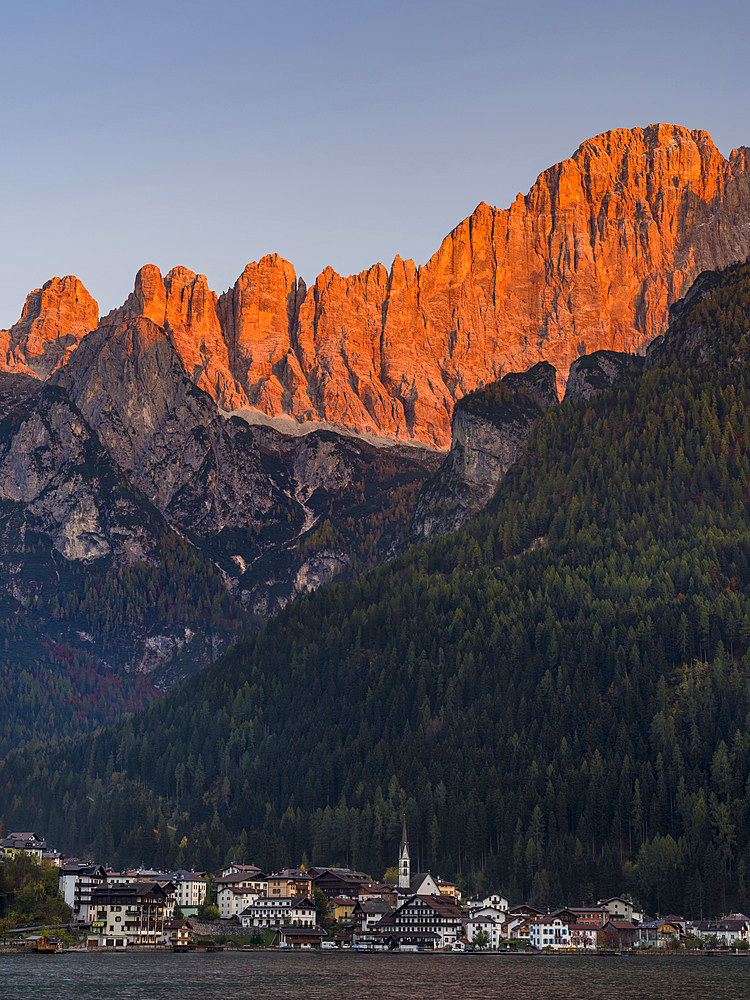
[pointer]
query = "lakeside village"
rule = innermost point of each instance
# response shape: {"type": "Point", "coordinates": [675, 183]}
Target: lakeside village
{"type": "Point", "coordinates": [338, 908]}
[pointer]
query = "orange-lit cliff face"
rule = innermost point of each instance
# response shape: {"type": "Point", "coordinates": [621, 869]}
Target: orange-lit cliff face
{"type": "Point", "coordinates": [54, 319]}
{"type": "Point", "coordinates": [591, 258]}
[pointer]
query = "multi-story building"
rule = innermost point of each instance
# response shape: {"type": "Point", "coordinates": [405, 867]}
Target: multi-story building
{"type": "Point", "coordinates": [494, 899]}
{"type": "Point", "coordinates": [255, 880]}
{"type": "Point", "coordinates": [77, 882]}
{"type": "Point", "coordinates": [232, 900]}
{"type": "Point", "coordinates": [423, 922]}
{"type": "Point", "coordinates": [289, 883]}
{"type": "Point", "coordinates": [478, 926]}
{"type": "Point", "coordinates": [23, 843]}
{"type": "Point", "coordinates": [662, 933]}
{"type": "Point", "coordinates": [251, 871]}
{"type": "Point", "coordinates": [190, 890]}
{"type": "Point", "coordinates": [280, 911]}
{"type": "Point", "coordinates": [620, 908]}
{"type": "Point", "coordinates": [341, 908]}
{"type": "Point", "coordinates": [368, 913]}
{"type": "Point", "coordinates": [584, 934]}
{"type": "Point", "coordinates": [134, 913]}
{"type": "Point", "coordinates": [550, 931]}
{"type": "Point", "coordinates": [590, 914]}
{"type": "Point", "coordinates": [727, 930]}
{"type": "Point", "coordinates": [339, 881]}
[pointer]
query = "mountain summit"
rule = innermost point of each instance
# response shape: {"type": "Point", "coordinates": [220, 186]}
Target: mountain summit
{"type": "Point", "coordinates": [590, 259]}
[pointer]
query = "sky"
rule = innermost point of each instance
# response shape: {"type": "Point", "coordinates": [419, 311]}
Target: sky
{"type": "Point", "coordinates": [334, 133]}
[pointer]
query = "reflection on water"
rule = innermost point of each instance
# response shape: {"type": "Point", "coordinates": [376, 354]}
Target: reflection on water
{"type": "Point", "coordinates": [327, 976]}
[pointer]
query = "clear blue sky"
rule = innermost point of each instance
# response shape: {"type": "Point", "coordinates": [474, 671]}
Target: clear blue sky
{"type": "Point", "coordinates": [342, 133]}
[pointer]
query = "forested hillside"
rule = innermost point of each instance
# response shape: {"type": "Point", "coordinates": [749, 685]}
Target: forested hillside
{"type": "Point", "coordinates": [559, 693]}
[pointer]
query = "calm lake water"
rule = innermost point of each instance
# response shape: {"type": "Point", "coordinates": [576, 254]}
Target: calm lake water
{"type": "Point", "coordinates": [268, 976]}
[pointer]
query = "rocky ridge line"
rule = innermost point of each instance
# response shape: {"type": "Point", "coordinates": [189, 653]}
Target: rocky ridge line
{"type": "Point", "coordinates": [590, 259]}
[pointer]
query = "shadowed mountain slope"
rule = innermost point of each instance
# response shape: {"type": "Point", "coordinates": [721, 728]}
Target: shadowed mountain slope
{"type": "Point", "coordinates": [557, 694]}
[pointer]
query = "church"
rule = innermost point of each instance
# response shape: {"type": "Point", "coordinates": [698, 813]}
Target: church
{"type": "Point", "coordinates": [421, 884]}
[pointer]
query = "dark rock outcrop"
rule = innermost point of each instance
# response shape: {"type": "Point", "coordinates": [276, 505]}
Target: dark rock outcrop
{"type": "Point", "coordinates": [490, 427]}
{"type": "Point", "coordinates": [593, 373]}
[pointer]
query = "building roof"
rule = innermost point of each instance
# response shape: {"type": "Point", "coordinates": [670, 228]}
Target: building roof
{"type": "Point", "coordinates": [724, 924]}
{"type": "Point", "coordinates": [226, 880]}
{"type": "Point", "coordinates": [345, 874]}
{"type": "Point", "coordinates": [441, 905]}
{"type": "Point", "coordinates": [184, 876]}
{"type": "Point", "coordinates": [127, 889]}
{"type": "Point", "coordinates": [483, 896]}
{"type": "Point", "coordinates": [373, 906]}
{"type": "Point", "coordinates": [79, 868]}
{"type": "Point", "coordinates": [22, 841]}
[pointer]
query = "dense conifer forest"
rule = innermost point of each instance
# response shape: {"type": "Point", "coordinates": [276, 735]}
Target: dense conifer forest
{"type": "Point", "coordinates": [558, 694]}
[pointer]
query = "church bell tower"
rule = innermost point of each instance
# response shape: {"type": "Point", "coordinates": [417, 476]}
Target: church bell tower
{"type": "Point", "coordinates": [404, 865]}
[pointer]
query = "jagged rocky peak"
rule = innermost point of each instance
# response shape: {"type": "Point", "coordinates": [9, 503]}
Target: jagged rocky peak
{"type": "Point", "coordinates": [593, 373]}
{"type": "Point", "coordinates": [555, 275]}
{"type": "Point", "coordinates": [54, 319]}
{"type": "Point", "coordinates": [258, 316]}
{"type": "Point", "coordinates": [183, 305]}
{"type": "Point", "coordinates": [489, 429]}
{"type": "Point", "coordinates": [590, 259]}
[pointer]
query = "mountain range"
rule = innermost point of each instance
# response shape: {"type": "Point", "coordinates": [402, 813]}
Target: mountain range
{"type": "Point", "coordinates": [590, 259]}
{"type": "Point", "coordinates": [556, 693]}
{"type": "Point", "coordinates": [175, 472]}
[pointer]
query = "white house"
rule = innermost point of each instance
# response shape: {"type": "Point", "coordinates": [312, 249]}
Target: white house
{"type": "Point", "coordinates": [728, 930]}
{"type": "Point", "coordinates": [489, 899]}
{"type": "Point", "coordinates": [484, 925]}
{"type": "Point", "coordinates": [298, 911]}
{"type": "Point", "coordinates": [550, 931]}
{"type": "Point", "coordinates": [232, 900]}
{"type": "Point", "coordinates": [190, 890]}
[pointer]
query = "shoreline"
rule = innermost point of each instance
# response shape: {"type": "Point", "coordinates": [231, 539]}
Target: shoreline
{"type": "Point", "coordinates": [512, 953]}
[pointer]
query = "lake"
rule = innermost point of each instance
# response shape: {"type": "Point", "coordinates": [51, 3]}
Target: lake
{"type": "Point", "coordinates": [335, 976]}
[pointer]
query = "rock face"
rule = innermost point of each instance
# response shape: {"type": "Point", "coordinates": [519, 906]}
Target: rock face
{"type": "Point", "coordinates": [58, 481]}
{"type": "Point", "coordinates": [247, 492]}
{"type": "Point", "coordinates": [202, 471]}
{"type": "Point", "coordinates": [184, 306]}
{"type": "Point", "coordinates": [593, 373]}
{"type": "Point", "coordinates": [490, 427]}
{"type": "Point", "coordinates": [590, 259]}
{"type": "Point", "coordinates": [54, 319]}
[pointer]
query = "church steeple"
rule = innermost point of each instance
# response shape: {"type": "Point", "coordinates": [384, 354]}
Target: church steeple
{"type": "Point", "coordinates": [404, 865]}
